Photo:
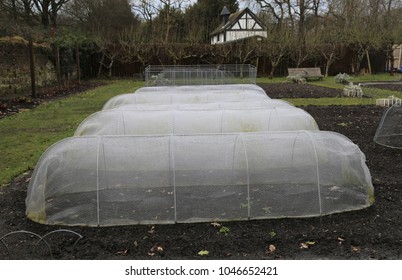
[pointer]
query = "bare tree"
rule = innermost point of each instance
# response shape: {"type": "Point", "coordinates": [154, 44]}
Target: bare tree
{"type": "Point", "coordinates": [110, 51]}
{"type": "Point", "coordinates": [390, 25]}
{"type": "Point", "coordinates": [105, 21]}
{"type": "Point", "coordinates": [278, 45]}
{"type": "Point", "coordinates": [244, 50]}
{"type": "Point", "coordinates": [21, 13]}
{"type": "Point", "coordinates": [179, 52]}
{"type": "Point", "coordinates": [164, 10]}
{"type": "Point", "coordinates": [300, 17]}
{"type": "Point", "coordinates": [360, 31]}
{"type": "Point", "coordinates": [134, 47]}
{"type": "Point", "coordinates": [147, 10]}
{"type": "Point", "coordinates": [332, 41]}
{"type": "Point", "coordinates": [218, 53]}
{"type": "Point", "coordinates": [49, 10]}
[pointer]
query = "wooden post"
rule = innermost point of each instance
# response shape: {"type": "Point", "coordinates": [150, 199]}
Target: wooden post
{"type": "Point", "coordinates": [77, 61]}
{"type": "Point", "coordinates": [32, 66]}
{"type": "Point", "coordinates": [57, 62]}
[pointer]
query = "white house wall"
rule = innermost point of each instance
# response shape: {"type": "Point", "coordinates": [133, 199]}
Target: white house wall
{"type": "Point", "coordinates": [236, 35]}
{"type": "Point", "coordinates": [246, 22]}
{"type": "Point", "coordinates": [244, 27]}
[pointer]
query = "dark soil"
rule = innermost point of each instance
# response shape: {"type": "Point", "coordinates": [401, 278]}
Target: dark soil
{"type": "Point", "coordinates": [293, 90]}
{"type": "Point", "coordinates": [372, 233]}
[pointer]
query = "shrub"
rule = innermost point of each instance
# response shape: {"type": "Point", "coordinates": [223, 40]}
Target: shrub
{"type": "Point", "coordinates": [342, 78]}
{"type": "Point", "coordinates": [297, 79]}
{"type": "Point", "coordinates": [159, 80]}
{"type": "Point", "coordinates": [352, 90]}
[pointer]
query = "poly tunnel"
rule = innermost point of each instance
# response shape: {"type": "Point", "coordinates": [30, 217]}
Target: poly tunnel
{"type": "Point", "coordinates": [122, 180]}
{"type": "Point", "coordinates": [203, 88]}
{"type": "Point", "coordinates": [174, 98]}
{"type": "Point", "coordinates": [263, 103]}
{"type": "Point", "coordinates": [389, 131]}
{"type": "Point", "coordinates": [142, 122]}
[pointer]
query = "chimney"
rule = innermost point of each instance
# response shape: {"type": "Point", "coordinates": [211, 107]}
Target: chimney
{"type": "Point", "coordinates": [225, 15]}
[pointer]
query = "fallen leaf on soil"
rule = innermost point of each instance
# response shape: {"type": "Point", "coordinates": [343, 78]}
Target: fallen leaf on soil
{"type": "Point", "coordinates": [216, 224]}
{"type": "Point", "coordinates": [303, 246]}
{"type": "Point", "coordinates": [271, 249]}
{"type": "Point", "coordinates": [355, 249]}
{"type": "Point", "coordinates": [156, 249]}
{"type": "Point", "coordinates": [306, 245]}
{"type": "Point", "coordinates": [152, 229]}
{"type": "Point", "coordinates": [340, 240]}
{"type": "Point", "coordinates": [122, 253]}
{"type": "Point", "coordinates": [203, 252]}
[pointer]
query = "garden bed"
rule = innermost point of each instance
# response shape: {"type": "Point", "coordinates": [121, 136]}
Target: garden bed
{"type": "Point", "coordinates": [372, 233]}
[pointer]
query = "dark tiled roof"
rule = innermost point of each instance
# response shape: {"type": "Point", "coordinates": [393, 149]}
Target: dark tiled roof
{"type": "Point", "coordinates": [232, 18]}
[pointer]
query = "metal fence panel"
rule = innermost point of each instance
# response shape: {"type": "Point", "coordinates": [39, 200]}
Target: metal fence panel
{"type": "Point", "coordinates": [208, 74]}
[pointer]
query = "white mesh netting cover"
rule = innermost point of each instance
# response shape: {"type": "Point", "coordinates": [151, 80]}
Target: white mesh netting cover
{"type": "Point", "coordinates": [389, 131]}
{"type": "Point", "coordinates": [121, 180]}
{"type": "Point", "coordinates": [239, 104]}
{"type": "Point", "coordinates": [187, 97]}
{"type": "Point", "coordinates": [143, 122]}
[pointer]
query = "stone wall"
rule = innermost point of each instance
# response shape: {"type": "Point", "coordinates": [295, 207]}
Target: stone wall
{"type": "Point", "coordinates": [15, 74]}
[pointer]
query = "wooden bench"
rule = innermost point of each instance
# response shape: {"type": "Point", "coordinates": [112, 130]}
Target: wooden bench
{"type": "Point", "coordinates": [306, 73]}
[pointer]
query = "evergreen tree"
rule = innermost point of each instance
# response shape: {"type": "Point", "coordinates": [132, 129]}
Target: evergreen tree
{"type": "Point", "coordinates": [203, 17]}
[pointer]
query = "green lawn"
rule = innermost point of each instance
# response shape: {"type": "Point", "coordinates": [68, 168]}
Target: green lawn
{"type": "Point", "coordinates": [327, 101]}
{"type": "Point", "coordinates": [25, 136]}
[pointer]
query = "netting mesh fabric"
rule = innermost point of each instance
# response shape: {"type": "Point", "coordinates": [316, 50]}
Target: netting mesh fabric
{"type": "Point", "coordinates": [239, 104]}
{"type": "Point", "coordinates": [177, 98]}
{"type": "Point", "coordinates": [194, 154]}
{"type": "Point", "coordinates": [143, 122]}
{"type": "Point", "coordinates": [120, 180]}
{"type": "Point", "coordinates": [389, 131]}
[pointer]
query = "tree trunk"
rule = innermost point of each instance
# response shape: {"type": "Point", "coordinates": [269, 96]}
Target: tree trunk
{"type": "Point", "coordinates": [32, 66]}
{"type": "Point", "coordinates": [110, 67]}
{"type": "Point", "coordinates": [14, 10]}
{"type": "Point", "coordinates": [167, 25]}
{"type": "Point", "coordinates": [57, 63]}
{"type": "Point", "coordinates": [328, 64]}
{"type": "Point", "coordinates": [271, 73]}
{"type": "Point", "coordinates": [274, 64]}
{"type": "Point", "coordinates": [77, 61]}
{"type": "Point", "coordinates": [100, 65]}
{"type": "Point", "coordinates": [257, 62]}
{"type": "Point", "coordinates": [360, 55]}
{"type": "Point", "coordinates": [391, 62]}
{"type": "Point", "coordinates": [368, 61]}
